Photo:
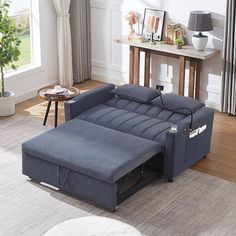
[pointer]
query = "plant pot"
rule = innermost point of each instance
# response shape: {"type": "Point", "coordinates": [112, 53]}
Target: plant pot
{"type": "Point", "coordinates": [7, 104]}
{"type": "Point", "coordinates": [179, 47]}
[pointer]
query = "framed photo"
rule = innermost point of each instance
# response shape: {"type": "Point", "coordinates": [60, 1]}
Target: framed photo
{"type": "Point", "coordinates": [153, 23]}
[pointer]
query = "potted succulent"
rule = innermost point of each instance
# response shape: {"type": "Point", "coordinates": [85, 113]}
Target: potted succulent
{"type": "Point", "coordinates": [9, 53]}
{"type": "Point", "coordinates": [179, 43]}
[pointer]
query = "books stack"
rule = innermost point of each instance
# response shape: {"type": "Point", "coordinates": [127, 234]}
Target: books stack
{"type": "Point", "coordinates": [137, 38]}
{"type": "Point", "coordinates": [172, 32]}
{"type": "Point", "coordinates": [51, 93]}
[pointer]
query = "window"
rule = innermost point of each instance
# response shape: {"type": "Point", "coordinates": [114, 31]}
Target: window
{"type": "Point", "coordinates": [25, 12]}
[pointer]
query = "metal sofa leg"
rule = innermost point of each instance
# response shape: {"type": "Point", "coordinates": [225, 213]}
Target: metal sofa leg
{"type": "Point", "coordinates": [34, 180]}
{"type": "Point", "coordinates": [170, 180]}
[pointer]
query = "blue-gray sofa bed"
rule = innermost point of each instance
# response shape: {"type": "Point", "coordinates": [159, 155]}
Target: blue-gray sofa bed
{"type": "Point", "coordinates": [115, 141]}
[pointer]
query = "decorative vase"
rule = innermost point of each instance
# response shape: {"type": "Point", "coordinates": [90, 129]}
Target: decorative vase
{"type": "Point", "coordinates": [7, 104]}
{"type": "Point", "coordinates": [199, 42]}
{"type": "Point", "coordinates": [132, 31]}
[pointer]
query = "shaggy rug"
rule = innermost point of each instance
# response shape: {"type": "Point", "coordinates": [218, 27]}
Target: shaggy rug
{"type": "Point", "coordinates": [195, 204]}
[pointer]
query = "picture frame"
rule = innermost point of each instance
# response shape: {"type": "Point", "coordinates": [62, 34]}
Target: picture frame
{"type": "Point", "coordinates": [153, 22]}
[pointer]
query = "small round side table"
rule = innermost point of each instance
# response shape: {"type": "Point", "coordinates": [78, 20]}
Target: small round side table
{"type": "Point", "coordinates": [56, 98]}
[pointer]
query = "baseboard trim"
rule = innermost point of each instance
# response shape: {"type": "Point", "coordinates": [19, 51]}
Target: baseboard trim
{"type": "Point", "coordinates": [213, 105]}
{"type": "Point", "coordinates": [106, 79]}
{"type": "Point", "coordinates": [30, 94]}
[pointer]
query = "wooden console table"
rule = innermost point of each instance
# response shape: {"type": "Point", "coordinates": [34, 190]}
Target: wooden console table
{"type": "Point", "coordinates": [187, 53]}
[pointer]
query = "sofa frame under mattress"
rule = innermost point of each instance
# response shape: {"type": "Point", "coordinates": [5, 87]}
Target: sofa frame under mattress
{"type": "Point", "coordinates": [108, 195]}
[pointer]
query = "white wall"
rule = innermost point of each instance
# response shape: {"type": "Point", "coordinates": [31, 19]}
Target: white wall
{"type": "Point", "coordinates": [26, 84]}
{"type": "Point", "coordinates": [110, 61]}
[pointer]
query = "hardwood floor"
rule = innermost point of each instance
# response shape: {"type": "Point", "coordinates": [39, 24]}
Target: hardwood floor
{"type": "Point", "coordinates": [220, 162]}
{"type": "Point", "coordinates": [36, 107]}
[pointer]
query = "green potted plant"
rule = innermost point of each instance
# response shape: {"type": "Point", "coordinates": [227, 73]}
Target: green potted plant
{"type": "Point", "coordinates": [179, 43]}
{"type": "Point", "coordinates": [9, 53]}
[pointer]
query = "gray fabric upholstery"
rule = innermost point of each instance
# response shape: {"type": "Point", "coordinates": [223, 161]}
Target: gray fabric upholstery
{"type": "Point", "coordinates": [87, 100]}
{"type": "Point", "coordinates": [182, 152]}
{"type": "Point", "coordinates": [92, 150]}
{"type": "Point", "coordinates": [127, 122]}
{"type": "Point", "coordinates": [141, 120]}
{"type": "Point", "coordinates": [110, 137]}
{"type": "Point", "coordinates": [173, 101]}
{"type": "Point", "coordinates": [102, 193]}
{"type": "Point", "coordinates": [136, 93]}
{"type": "Point", "coordinates": [150, 110]}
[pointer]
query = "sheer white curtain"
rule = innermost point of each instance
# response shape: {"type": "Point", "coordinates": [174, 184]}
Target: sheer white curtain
{"type": "Point", "coordinates": [64, 42]}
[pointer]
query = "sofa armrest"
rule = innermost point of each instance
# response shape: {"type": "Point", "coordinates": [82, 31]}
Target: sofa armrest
{"type": "Point", "coordinates": [87, 100]}
{"type": "Point", "coordinates": [184, 148]}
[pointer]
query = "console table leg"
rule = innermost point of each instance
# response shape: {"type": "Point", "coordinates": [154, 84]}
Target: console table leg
{"type": "Point", "coordinates": [147, 69]}
{"type": "Point", "coordinates": [131, 65]}
{"type": "Point", "coordinates": [198, 73]}
{"type": "Point", "coordinates": [182, 63]}
{"type": "Point", "coordinates": [136, 65]}
{"type": "Point", "coordinates": [46, 115]}
{"type": "Point", "coordinates": [56, 114]}
{"type": "Point", "coordinates": [191, 78]}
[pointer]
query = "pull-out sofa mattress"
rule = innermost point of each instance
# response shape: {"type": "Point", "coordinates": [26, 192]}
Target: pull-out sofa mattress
{"type": "Point", "coordinates": [87, 159]}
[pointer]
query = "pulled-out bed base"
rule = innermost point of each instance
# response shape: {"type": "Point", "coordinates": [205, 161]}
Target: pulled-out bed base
{"type": "Point", "coordinates": [75, 162]}
{"type": "Point", "coordinates": [107, 195]}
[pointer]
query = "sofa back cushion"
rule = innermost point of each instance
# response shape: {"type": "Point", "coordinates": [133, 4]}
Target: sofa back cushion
{"type": "Point", "coordinates": [149, 110]}
{"type": "Point", "coordinates": [136, 93]}
{"type": "Point", "coordinates": [181, 103]}
{"type": "Point", "coordinates": [142, 120]}
{"type": "Point", "coordinates": [127, 122]}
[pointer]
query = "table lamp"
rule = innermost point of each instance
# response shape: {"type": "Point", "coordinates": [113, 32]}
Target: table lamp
{"type": "Point", "coordinates": [200, 21]}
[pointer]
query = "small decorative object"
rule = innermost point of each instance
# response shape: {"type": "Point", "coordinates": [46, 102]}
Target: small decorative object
{"type": "Point", "coordinates": [179, 43]}
{"type": "Point", "coordinates": [153, 24]}
{"type": "Point", "coordinates": [10, 52]}
{"type": "Point", "coordinates": [169, 32]}
{"type": "Point", "coordinates": [152, 42]}
{"type": "Point", "coordinates": [200, 21]}
{"type": "Point", "coordinates": [136, 38]}
{"type": "Point", "coordinates": [58, 89]}
{"type": "Point", "coordinates": [174, 31]}
{"type": "Point", "coordinates": [132, 18]}
{"type": "Point", "coordinates": [57, 92]}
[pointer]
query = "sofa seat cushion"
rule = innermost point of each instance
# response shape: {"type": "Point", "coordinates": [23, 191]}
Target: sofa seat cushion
{"type": "Point", "coordinates": [128, 122]}
{"type": "Point", "coordinates": [92, 150]}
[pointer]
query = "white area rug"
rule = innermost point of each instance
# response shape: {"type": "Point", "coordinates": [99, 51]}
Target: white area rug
{"type": "Point", "coordinates": [93, 226]}
{"type": "Point", "coordinates": [195, 204]}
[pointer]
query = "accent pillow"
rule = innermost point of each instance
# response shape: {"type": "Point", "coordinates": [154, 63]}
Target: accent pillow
{"type": "Point", "coordinates": [136, 93]}
{"type": "Point", "coordinates": [173, 101]}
